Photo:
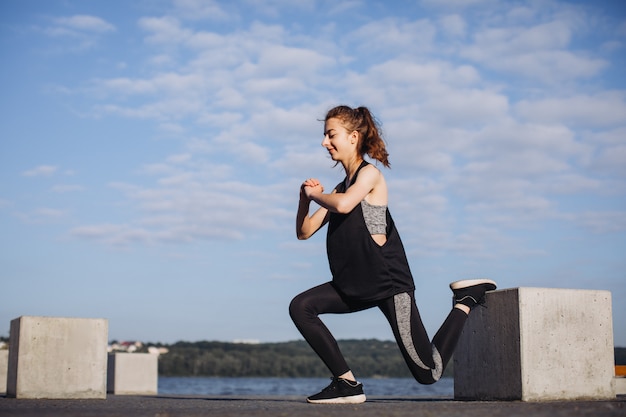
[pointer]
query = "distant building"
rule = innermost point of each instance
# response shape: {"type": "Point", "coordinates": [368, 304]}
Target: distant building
{"type": "Point", "coordinates": [132, 347]}
{"type": "Point", "coordinates": [247, 341]}
{"type": "Point", "coordinates": [158, 350]}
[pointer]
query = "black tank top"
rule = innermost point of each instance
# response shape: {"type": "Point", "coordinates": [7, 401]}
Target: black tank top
{"type": "Point", "coordinates": [362, 270]}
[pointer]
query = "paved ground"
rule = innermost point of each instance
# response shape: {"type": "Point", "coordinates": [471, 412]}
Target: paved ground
{"type": "Point", "coordinates": [191, 406]}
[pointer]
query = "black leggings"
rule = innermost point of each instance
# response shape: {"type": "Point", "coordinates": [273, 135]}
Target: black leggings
{"type": "Point", "coordinates": [426, 360]}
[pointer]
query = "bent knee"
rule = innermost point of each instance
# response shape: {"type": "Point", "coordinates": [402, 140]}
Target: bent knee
{"type": "Point", "coordinates": [424, 377]}
{"type": "Point", "coordinates": [297, 307]}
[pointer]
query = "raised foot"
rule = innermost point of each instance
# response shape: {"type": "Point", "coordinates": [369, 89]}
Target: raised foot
{"type": "Point", "coordinates": [471, 292]}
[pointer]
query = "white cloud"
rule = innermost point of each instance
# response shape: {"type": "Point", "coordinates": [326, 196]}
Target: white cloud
{"type": "Point", "coordinates": [85, 23]}
{"type": "Point", "coordinates": [393, 36]}
{"type": "Point", "coordinates": [255, 94]}
{"type": "Point", "coordinates": [602, 221]}
{"type": "Point", "coordinates": [162, 83]}
{"type": "Point", "coordinates": [453, 25]}
{"type": "Point", "coordinates": [199, 9]}
{"type": "Point", "coordinates": [456, 3]}
{"type": "Point", "coordinates": [41, 215]}
{"type": "Point", "coordinates": [297, 62]}
{"type": "Point", "coordinates": [113, 234]}
{"type": "Point", "coordinates": [164, 30]}
{"type": "Point", "coordinates": [185, 209]}
{"type": "Point", "coordinates": [611, 160]}
{"type": "Point", "coordinates": [66, 188]}
{"type": "Point", "coordinates": [166, 110]}
{"type": "Point", "coordinates": [347, 6]}
{"type": "Point", "coordinates": [521, 13]}
{"type": "Point", "coordinates": [78, 33]}
{"type": "Point", "coordinates": [539, 52]}
{"type": "Point", "coordinates": [263, 69]}
{"type": "Point", "coordinates": [508, 137]}
{"type": "Point", "coordinates": [41, 171]}
{"type": "Point", "coordinates": [179, 158]}
{"type": "Point", "coordinates": [604, 109]}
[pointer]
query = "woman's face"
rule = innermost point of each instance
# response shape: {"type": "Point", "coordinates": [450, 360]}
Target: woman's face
{"type": "Point", "coordinates": [340, 143]}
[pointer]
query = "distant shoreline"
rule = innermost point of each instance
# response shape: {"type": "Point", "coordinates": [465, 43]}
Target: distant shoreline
{"type": "Point", "coordinates": [371, 358]}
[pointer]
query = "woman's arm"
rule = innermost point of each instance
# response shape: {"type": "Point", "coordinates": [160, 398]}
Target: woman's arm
{"type": "Point", "coordinates": [368, 178]}
{"type": "Point", "coordinates": [306, 225]}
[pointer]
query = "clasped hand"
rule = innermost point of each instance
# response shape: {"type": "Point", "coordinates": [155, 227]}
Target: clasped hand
{"type": "Point", "coordinates": [311, 186]}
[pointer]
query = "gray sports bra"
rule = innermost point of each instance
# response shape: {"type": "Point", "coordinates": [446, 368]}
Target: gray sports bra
{"type": "Point", "coordinates": [375, 218]}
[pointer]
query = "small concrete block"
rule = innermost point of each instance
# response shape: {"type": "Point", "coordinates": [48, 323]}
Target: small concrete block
{"type": "Point", "coordinates": [537, 344]}
{"type": "Point", "coordinates": [57, 358]}
{"type": "Point", "coordinates": [620, 385]}
{"type": "Point", "coordinates": [4, 364]}
{"type": "Point", "coordinates": [132, 373]}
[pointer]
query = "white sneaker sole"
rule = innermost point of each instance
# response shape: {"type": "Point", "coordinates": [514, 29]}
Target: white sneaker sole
{"type": "Point", "coordinates": [354, 399]}
{"type": "Point", "coordinates": [464, 283]}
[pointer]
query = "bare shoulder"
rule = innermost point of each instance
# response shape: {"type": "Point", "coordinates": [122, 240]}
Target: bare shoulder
{"type": "Point", "coordinates": [368, 177]}
{"type": "Point", "coordinates": [378, 190]}
{"type": "Point", "coordinates": [371, 171]}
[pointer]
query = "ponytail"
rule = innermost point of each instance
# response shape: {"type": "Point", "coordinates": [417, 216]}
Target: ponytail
{"type": "Point", "coordinates": [361, 120]}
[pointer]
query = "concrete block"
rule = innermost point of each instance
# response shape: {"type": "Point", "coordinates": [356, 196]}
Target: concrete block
{"type": "Point", "coordinates": [132, 373]}
{"type": "Point", "coordinates": [620, 385]}
{"type": "Point", "coordinates": [537, 344]}
{"type": "Point", "coordinates": [4, 364]}
{"type": "Point", "coordinates": [56, 357]}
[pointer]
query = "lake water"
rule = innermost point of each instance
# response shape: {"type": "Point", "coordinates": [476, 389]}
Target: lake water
{"type": "Point", "coordinates": [212, 386]}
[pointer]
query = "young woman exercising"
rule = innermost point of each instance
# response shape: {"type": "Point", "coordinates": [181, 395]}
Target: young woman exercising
{"type": "Point", "coordinates": [368, 262]}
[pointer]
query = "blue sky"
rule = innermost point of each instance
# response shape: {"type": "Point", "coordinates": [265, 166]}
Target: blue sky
{"type": "Point", "coordinates": [151, 154]}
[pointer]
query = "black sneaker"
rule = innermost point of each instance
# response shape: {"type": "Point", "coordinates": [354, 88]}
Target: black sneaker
{"type": "Point", "coordinates": [471, 292]}
{"type": "Point", "coordinates": [340, 391]}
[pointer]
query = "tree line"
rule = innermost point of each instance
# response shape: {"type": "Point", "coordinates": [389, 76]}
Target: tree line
{"type": "Point", "coordinates": [371, 357]}
{"type": "Point", "coordinates": [368, 357]}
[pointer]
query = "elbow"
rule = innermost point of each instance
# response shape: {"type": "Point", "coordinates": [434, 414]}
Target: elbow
{"type": "Point", "coordinates": [302, 236]}
{"type": "Point", "coordinates": [343, 208]}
